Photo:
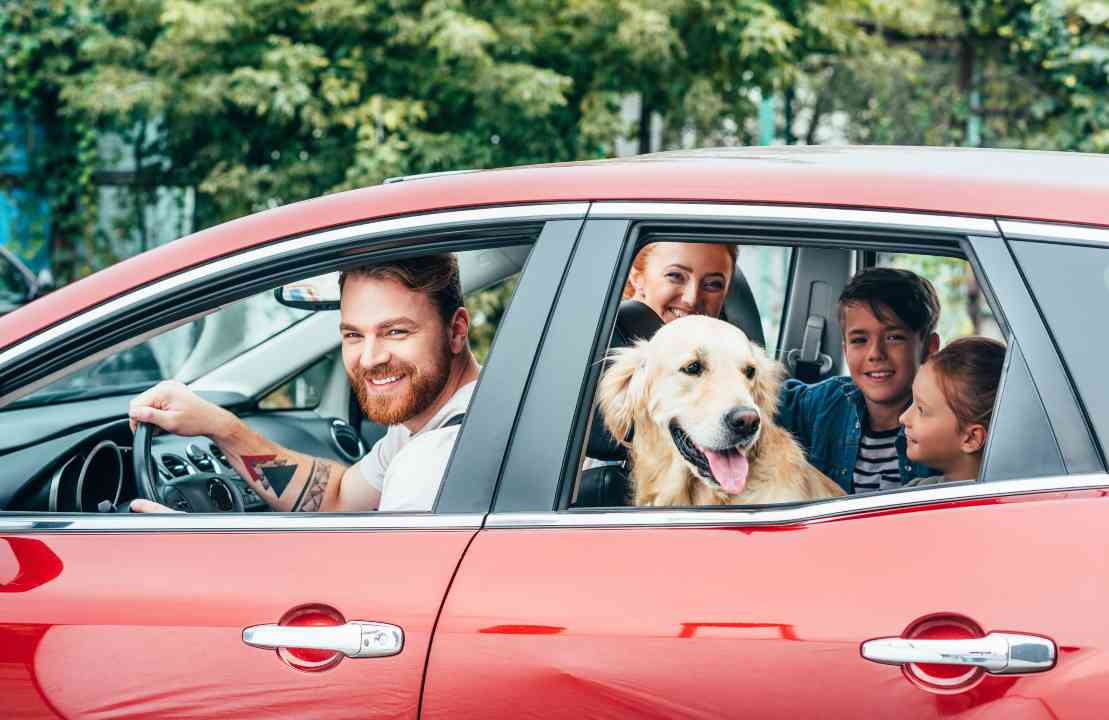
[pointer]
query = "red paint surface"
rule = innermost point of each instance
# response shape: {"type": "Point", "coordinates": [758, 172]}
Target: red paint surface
{"type": "Point", "coordinates": [1064, 187]}
{"type": "Point", "coordinates": [711, 623]}
{"type": "Point", "coordinates": [150, 625]}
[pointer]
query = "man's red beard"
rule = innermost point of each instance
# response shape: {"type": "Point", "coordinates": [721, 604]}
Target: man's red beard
{"type": "Point", "coordinates": [424, 386]}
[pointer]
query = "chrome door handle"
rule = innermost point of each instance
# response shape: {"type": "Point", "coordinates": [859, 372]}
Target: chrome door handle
{"type": "Point", "coordinates": [355, 639]}
{"type": "Point", "coordinates": [996, 653]}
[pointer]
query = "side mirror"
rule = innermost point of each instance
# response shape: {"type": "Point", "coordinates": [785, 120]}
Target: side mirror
{"type": "Point", "coordinates": [318, 293]}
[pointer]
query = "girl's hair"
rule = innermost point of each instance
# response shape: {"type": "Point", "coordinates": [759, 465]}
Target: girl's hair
{"type": "Point", "coordinates": [968, 371]}
{"type": "Point", "coordinates": [640, 263]}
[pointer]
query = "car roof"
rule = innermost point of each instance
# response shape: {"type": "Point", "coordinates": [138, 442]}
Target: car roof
{"type": "Point", "coordinates": [1028, 185]}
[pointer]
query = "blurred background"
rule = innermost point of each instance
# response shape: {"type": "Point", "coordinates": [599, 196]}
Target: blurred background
{"type": "Point", "coordinates": [127, 123]}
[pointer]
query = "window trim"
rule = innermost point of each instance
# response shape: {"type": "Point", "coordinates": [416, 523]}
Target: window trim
{"type": "Point", "coordinates": [1055, 232]}
{"type": "Point", "coordinates": [240, 522]}
{"type": "Point", "coordinates": [791, 214]}
{"type": "Point", "coordinates": [835, 508]}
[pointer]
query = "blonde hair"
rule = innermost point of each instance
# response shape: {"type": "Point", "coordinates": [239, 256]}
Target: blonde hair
{"type": "Point", "coordinates": [640, 263]}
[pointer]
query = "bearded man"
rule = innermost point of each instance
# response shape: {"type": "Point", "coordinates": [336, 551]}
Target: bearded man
{"type": "Point", "coordinates": [407, 354]}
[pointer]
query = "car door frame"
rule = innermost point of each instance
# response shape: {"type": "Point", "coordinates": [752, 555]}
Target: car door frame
{"type": "Point", "coordinates": [611, 584]}
{"type": "Point", "coordinates": [543, 462]}
{"type": "Point", "coordinates": [457, 517]}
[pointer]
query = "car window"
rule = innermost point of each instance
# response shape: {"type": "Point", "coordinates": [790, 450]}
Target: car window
{"type": "Point", "coordinates": [766, 268]}
{"type": "Point", "coordinates": [305, 390]}
{"type": "Point", "coordinates": [683, 453]}
{"type": "Point", "coordinates": [184, 353]}
{"type": "Point", "coordinates": [965, 310]}
{"type": "Point", "coordinates": [397, 359]}
{"type": "Point", "coordinates": [13, 285]}
{"type": "Point", "coordinates": [1071, 285]}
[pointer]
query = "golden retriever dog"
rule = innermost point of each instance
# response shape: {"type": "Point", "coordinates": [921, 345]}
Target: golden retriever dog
{"type": "Point", "coordinates": [702, 399]}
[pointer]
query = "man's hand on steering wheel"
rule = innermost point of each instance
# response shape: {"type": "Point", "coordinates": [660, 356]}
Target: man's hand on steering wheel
{"type": "Point", "coordinates": [142, 505]}
{"type": "Point", "coordinates": [175, 408]}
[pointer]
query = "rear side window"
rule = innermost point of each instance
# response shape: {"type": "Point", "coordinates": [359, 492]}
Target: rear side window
{"type": "Point", "coordinates": [1071, 285]}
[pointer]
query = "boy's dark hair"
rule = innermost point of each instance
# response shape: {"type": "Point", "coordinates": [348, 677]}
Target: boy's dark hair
{"type": "Point", "coordinates": [436, 275]}
{"type": "Point", "coordinates": [910, 297]}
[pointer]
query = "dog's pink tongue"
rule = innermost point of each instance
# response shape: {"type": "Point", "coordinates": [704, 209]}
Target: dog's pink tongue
{"type": "Point", "coordinates": [729, 468]}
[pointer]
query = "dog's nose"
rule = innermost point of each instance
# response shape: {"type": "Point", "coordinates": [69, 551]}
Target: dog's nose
{"type": "Point", "coordinates": [743, 421]}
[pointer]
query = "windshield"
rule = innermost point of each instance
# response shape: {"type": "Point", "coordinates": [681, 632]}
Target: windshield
{"type": "Point", "coordinates": [185, 353]}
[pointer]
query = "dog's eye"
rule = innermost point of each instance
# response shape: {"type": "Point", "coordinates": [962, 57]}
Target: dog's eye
{"type": "Point", "coordinates": [694, 368]}
{"type": "Point", "coordinates": [750, 372]}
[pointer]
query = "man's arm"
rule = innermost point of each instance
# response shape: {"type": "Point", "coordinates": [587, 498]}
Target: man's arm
{"type": "Point", "coordinates": [287, 480]}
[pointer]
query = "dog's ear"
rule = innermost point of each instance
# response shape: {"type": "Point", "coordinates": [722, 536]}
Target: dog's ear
{"type": "Point", "coordinates": [623, 389]}
{"type": "Point", "coordinates": [768, 380]}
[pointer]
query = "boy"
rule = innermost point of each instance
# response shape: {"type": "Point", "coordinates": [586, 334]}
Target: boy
{"type": "Point", "coordinates": [849, 426]}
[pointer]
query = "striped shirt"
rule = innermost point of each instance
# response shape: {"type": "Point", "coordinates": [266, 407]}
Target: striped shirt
{"type": "Point", "coordinates": [876, 466]}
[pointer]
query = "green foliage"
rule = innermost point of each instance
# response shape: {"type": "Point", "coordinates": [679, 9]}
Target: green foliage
{"type": "Point", "coordinates": [256, 103]}
{"type": "Point", "coordinates": [486, 309]}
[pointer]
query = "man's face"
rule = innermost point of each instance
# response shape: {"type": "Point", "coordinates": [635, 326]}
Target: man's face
{"type": "Point", "coordinates": [883, 355]}
{"type": "Point", "coordinates": [396, 348]}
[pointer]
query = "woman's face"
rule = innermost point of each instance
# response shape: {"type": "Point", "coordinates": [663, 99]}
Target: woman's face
{"type": "Point", "coordinates": [682, 279]}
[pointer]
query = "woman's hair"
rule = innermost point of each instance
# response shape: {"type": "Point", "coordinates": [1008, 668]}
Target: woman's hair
{"type": "Point", "coordinates": [640, 263]}
{"type": "Point", "coordinates": [968, 371]}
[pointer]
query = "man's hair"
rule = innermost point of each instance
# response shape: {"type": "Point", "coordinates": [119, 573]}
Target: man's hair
{"type": "Point", "coordinates": [435, 275]}
{"type": "Point", "coordinates": [910, 297]}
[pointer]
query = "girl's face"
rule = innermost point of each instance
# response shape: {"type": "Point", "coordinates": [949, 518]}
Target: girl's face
{"type": "Point", "coordinates": [682, 279]}
{"type": "Point", "coordinates": [932, 430]}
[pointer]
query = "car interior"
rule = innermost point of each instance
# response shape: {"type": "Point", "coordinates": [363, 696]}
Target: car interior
{"type": "Point", "coordinates": [70, 448]}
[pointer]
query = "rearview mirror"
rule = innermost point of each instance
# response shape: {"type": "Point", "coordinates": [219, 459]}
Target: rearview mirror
{"type": "Point", "coordinates": [317, 293]}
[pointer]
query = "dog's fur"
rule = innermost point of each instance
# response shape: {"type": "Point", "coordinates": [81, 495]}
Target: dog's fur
{"type": "Point", "coordinates": [653, 387]}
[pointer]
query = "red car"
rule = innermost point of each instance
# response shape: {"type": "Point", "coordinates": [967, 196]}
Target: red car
{"type": "Point", "coordinates": [526, 593]}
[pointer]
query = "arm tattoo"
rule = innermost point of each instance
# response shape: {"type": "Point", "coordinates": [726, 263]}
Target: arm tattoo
{"type": "Point", "coordinates": [270, 471]}
{"type": "Point", "coordinates": [311, 495]}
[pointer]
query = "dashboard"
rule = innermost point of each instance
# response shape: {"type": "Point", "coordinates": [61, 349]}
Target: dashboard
{"type": "Point", "coordinates": [90, 468]}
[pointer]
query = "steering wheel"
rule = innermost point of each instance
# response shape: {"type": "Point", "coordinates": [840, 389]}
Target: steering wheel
{"type": "Point", "coordinates": [200, 492]}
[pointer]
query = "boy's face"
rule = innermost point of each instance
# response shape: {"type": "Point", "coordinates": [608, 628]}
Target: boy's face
{"type": "Point", "coordinates": [883, 355]}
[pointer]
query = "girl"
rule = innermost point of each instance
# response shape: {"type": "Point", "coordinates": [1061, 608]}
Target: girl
{"type": "Point", "coordinates": [953, 396]}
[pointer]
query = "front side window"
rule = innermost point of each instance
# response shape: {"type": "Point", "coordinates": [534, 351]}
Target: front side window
{"type": "Point", "coordinates": [402, 349]}
{"type": "Point", "coordinates": [183, 353]}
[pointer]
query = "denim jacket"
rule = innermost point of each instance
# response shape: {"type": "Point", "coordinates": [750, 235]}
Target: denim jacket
{"type": "Point", "coordinates": [827, 419]}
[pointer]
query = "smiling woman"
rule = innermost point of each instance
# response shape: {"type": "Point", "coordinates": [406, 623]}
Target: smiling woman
{"type": "Point", "coordinates": [677, 279]}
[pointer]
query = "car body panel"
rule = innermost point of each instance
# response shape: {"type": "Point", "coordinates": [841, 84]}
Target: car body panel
{"type": "Point", "coordinates": [709, 622]}
{"type": "Point", "coordinates": [158, 631]}
{"type": "Point", "coordinates": [1015, 184]}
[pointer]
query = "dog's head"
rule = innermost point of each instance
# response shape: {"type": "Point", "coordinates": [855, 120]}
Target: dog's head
{"type": "Point", "coordinates": [702, 384]}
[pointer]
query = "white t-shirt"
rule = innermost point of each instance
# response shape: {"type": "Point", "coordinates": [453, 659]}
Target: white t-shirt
{"type": "Point", "coordinates": [407, 468]}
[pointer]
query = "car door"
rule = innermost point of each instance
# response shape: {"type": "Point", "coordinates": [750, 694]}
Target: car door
{"type": "Point", "coordinates": [707, 613]}
{"type": "Point", "coordinates": [147, 615]}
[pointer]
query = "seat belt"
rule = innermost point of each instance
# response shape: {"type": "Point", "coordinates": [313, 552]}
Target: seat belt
{"type": "Point", "coordinates": [809, 364]}
{"type": "Point", "coordinates": [454, 420]}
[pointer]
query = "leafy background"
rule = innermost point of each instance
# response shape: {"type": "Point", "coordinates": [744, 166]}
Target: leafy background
{"type": "Point", "coordinates": [219, 108]}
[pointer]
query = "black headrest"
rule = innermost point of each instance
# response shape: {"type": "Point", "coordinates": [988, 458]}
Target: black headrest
{"type": "Point", "coordinates": [634, 321]}
{"type": "Point", "coordinates": [741, 310]}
